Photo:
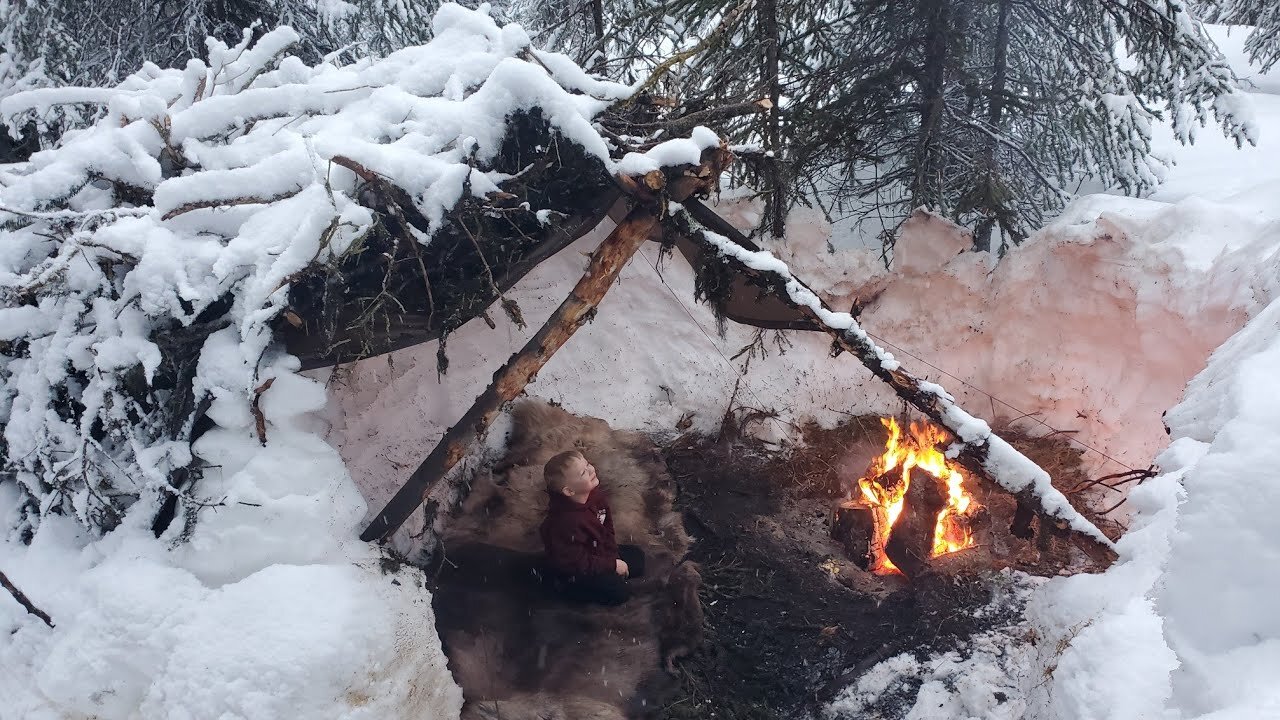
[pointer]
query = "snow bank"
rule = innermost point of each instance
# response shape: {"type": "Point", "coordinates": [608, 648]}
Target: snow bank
{"type": "Point", "coordinates": [1186, 624]}
{"type": "Point", "coordinates": [1095, 324]}
{"type": "Point", "coordinates": [272, 609]}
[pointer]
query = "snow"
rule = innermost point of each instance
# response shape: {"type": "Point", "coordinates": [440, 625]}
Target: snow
{"type": "Point", "coordinates": [272, 608]}
{"type": "Point", "coordinates": [984, 679]}
{"type": "Point", "coordinates": [259, 600]}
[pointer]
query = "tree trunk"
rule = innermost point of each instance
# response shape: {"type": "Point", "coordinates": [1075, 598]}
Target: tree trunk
{"type": "Point", "coordinates": [597, 22]}
{"type": "Point", "coordinates": [770, 41]}
{"type": "Point", "coordinates": [511, 379]}
{"type": "Point", "coordinates": [932, 80]}
{"type": "Point", "coordinates": [995, 115]}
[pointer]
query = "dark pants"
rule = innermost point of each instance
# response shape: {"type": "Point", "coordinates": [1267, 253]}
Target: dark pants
{"type": "Point", "coordinates": [607, 588]}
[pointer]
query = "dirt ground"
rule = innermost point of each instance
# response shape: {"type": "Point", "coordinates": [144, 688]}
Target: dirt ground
{"type": "Point", "coordinates": [789, 620]}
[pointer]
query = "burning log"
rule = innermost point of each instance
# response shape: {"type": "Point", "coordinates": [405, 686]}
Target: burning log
{"type": "Point", "coordinates": [911, 540]}
{"type": "Point", "coordinates": [853, 525]}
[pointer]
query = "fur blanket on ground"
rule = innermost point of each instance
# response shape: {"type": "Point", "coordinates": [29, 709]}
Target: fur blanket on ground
{"type": "Point", "coordinates": [520, 653]}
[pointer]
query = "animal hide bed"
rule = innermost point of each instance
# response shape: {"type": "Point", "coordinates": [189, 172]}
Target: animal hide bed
{"type": "Point", "coordinates": [518, 651]}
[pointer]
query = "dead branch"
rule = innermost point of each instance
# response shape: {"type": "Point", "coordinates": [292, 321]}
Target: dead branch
{"type": "Point", "coordinates": [244, 200]}
{"type": "Point", "coordinates": [511, 379]}
{"type": "Point", "coordinates": [260, 420]}
{"type": "Point", "coordinates": [1120, 478]}
{"type": "Point", "coordinates": [23, 601]}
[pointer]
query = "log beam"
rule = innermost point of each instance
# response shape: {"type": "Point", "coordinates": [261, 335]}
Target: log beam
{"type": "Point", "coordinates": [510, 380]}
{"type": "Point", "coordinates": [928, 398]}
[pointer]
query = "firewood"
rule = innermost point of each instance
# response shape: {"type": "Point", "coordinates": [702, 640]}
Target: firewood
{"type": "Point", "coordinates": [511, 379]}
{"type": "Point", "coordinates": [853, 525]}
{"type": "Point", "coordinates": [910, 542]}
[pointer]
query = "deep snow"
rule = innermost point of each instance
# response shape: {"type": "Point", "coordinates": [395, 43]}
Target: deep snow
{"type": "Point", "coordinates": [1107, 313]}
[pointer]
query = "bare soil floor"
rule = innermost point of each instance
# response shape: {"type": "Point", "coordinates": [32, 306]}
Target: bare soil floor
{"type": "Point", "coordinates": [789, 620]}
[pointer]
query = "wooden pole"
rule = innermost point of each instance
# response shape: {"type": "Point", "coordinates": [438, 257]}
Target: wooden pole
{"type": "Point", "coordinates": [511, 379]}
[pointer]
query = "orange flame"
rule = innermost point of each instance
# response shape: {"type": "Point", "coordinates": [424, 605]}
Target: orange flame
{"type": "Point", "coordinates": [918, 450]}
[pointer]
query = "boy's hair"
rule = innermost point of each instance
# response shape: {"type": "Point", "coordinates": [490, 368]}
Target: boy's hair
{"type": "Point", "coordinates": [556, 471]}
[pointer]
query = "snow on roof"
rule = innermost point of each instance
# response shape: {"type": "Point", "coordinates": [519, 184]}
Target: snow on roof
{"type": "Point", "coordinates": [202, 191]}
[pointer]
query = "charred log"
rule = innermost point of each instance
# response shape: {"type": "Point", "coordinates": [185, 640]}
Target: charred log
{"type": "Point", "coordinates": [910, 543]}
{"type": "Point", "coordinates": [853, 525]}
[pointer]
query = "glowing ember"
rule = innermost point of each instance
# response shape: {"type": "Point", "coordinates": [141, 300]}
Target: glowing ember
{"type": "Point", "coordinates": [902, 454]}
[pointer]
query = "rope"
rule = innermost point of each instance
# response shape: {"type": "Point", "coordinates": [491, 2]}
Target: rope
{"type": "Point", "coordinates": [898, 348]}
{"type": "Point", "coordinates": [993, 398]}
{"type": "Point", "coordinates": [741, 375]}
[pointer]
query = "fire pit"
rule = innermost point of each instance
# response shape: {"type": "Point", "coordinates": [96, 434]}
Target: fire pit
{"type": "Point", "coordinates": [911, 505]}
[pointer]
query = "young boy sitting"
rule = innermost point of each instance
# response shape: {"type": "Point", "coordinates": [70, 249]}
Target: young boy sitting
{"type": "Point", "coordinates": [583, 558]}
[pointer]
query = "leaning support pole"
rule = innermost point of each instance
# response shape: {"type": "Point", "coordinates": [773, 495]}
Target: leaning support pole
{"type": "Point", "coordinates": [511, 379]}
{"type": "Point", "coordinates": [977, 448]}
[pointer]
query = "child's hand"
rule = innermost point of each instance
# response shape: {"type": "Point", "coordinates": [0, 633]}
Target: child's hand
{"type": "Point", "coordinates": [620, 567]}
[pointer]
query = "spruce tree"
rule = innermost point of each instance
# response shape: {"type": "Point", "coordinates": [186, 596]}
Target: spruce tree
{"type": "Point", "coordinates": [71, 42]}
{"type": "Point", "coordinates": [991, 112]}
{"type": "Point", "coordinates": [1263, 42]}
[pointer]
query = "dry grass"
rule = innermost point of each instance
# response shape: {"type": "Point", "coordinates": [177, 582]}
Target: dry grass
{"type": "Point", "coordinates": [1054, 452]}
{"type": "Point", "coordinates": [831, 458]}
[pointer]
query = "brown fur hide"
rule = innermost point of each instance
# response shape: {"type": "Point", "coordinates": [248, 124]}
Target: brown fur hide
{"type": "Point", "coordinates": [519, 652]}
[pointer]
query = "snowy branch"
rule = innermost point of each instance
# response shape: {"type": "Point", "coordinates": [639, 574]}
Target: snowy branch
{"type": "Point", "coordinates": [976, 446]}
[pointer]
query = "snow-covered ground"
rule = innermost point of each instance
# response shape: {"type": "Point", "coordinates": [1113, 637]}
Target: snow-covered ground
{"type": "Point", "coordinates": [273, 609]}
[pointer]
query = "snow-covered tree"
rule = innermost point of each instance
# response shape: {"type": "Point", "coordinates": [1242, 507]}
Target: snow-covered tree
{"type": "Point", "coordinates": [55, 43]}
{"type": "Point", "coordinates": [990, 111]}
{"type": "Point", "coordinates": [155, 259]}
{"type": "Point", "coordinates": [1263, 43]}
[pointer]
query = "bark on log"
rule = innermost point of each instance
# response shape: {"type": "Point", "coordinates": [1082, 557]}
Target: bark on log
{"type": "Point", "coordinates": [511, 379]}
{"type": "Point", "coordinates": [853, 525]}
{"type": "Point", "coordinates": [910, 542]}
{"type": "Point", "coordinates": [973, 455]}
{"type": "Point", "coordinates": [23, 601]}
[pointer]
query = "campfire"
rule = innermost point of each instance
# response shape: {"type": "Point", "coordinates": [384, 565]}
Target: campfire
{"type": "Point", "coordinates": [911, 505]}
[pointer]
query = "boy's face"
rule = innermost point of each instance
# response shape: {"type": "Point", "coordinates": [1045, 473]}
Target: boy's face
{"type": "Point", "coordinates": [581, 480]}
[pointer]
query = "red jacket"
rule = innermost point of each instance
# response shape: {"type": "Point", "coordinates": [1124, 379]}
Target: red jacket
{"type": "Point", "coordinates": [578, 537]}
